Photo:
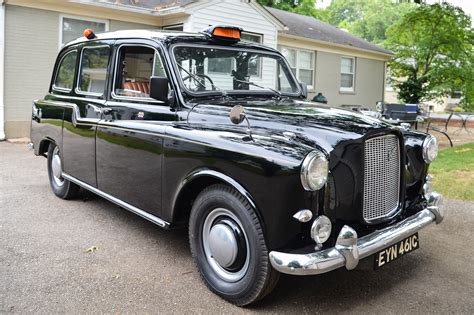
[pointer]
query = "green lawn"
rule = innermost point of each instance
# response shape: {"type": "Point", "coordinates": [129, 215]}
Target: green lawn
{"type": "Point", "coordinates": [453, 172]}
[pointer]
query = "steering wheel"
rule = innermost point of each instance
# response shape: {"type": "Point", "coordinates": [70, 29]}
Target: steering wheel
{"type": "Point", "coordinates": [204, 76]}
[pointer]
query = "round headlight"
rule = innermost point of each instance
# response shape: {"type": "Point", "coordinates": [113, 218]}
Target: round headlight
{"type": "Point", "coordinates": [321, 229]}
{"type": "Point", "coordinates": [430, 149]}
{"type": "Point", "coordinates": [314, 171]}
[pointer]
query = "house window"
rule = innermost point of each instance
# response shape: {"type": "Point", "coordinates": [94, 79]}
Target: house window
{"type": "Point", "coordinates": [252, 37]}
{"type": "Point", "coordinates": [175, 27]}
{"type": "Point", "coordinates": [66, 70]}
{"type": "Point", "coordinates": [301, 63]}
{"type": "Point", "coordinates": [93, 70]}
{"type": "Point", "coordinates": [225, 65]}
{"type": "Point", "coordinates": [347, 74]}
{"type": "Point", "coordinates": [72, 28]}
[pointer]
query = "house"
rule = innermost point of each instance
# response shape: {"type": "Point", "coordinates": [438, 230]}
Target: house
{"type": "Point", "coordinates": [345, 68]}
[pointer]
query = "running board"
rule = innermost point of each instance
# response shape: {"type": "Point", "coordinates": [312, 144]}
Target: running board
{"type": "Point", "coordinates": [123, 204]}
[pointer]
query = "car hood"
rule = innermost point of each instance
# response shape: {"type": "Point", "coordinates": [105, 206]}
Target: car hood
{"type": "Point", "coordinates": [300, 122]}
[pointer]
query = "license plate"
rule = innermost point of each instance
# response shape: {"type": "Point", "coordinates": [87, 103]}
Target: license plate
{"type": "Point", "coordinates": [395, 251]}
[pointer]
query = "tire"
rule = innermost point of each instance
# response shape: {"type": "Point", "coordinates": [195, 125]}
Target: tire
{"type": "Point", "coordinates": [61, 187]}
{"type": "Point", "coordinates": [241, 278]}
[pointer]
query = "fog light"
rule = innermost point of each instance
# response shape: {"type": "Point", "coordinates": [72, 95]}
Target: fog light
{"type": "Point", "coordinates": [428, 187]}
{"type": "Point", "coordinates": [321, 229]}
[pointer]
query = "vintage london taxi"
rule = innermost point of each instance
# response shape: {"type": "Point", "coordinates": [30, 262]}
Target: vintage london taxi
{"type": "Point", "coordinates": [207, 131]}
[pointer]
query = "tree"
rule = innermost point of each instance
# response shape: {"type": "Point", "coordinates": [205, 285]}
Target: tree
{"type": "Point", "coordinates": [368, 19]}
{"type": "Point", "coordinates": [303, 7]}
{"type": "Point", "coordinates": [433, 52]}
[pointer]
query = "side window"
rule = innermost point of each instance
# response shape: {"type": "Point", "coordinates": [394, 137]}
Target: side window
{"type": "Point", "coordinates": [93, 71]}
{"type": "Point", "coordinates": [136, 64]}
{"type": "Point", "coordinates": [65, 74]}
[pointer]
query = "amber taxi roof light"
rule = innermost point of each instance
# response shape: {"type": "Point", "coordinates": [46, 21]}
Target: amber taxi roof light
{"type": "Point", "coordinates": [89, 33]}
{"type": "Point", "coordinates": [223, 33]}
{"type": "Point", "coordinates": [233, 33]}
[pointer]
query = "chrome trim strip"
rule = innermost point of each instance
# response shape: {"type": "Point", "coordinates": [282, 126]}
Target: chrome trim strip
{"type": "Point", "coordinates": [76, 115]}
{"type": "Point", "coordinates": [349, 249]}
{"type": "Point", "coordinates": [123, 204]}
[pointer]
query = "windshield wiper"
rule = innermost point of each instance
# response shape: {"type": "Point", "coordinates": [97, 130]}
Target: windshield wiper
{"type": "Point", "coordinates": [278, 93]}
{"type": "Point", "coordinates": [198, 79]}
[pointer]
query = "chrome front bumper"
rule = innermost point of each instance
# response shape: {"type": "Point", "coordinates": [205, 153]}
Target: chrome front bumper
{"type": "Point", "coordinates": [349, 249]}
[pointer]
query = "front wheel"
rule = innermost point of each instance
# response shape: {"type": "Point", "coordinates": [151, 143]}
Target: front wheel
{"type": "Point", "coordinates": [60, 186]}
{"type": "Point", "coordinates": [228, 246]}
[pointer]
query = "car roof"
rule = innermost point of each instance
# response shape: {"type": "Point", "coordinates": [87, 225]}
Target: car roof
{"type": "Point", "coordinates": [162, 35]}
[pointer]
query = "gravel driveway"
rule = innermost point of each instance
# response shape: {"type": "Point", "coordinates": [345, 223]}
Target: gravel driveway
{"type": "Point", "coordinates": [137, 267]}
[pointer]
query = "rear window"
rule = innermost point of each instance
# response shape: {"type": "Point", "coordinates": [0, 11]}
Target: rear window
{"type": "Point", "coordinates": [66, 70]}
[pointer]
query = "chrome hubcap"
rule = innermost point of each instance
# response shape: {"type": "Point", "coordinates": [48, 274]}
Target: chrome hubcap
{"type": "Point", "coordinates": [56, 167]}
{"type": "Point", "coordinates": [225, 245]}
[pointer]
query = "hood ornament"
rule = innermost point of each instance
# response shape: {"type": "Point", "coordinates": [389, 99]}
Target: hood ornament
{"type": "Point", "coordinates": [237, 116]}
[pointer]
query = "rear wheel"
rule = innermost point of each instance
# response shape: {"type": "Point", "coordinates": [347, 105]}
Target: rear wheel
{"type": "Point", "coordinates": [228, 246]}
{"type": "Point", "coordinates": [60, 186]}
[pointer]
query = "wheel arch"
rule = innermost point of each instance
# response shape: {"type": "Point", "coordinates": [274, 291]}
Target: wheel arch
{"type": "Point", "coordinates": [195, 183]}
{"type": "Point", "coordinates": [44, 145]}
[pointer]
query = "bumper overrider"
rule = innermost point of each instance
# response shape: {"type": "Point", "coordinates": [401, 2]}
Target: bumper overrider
{"type": "Point", "coordinates": [349, 249]}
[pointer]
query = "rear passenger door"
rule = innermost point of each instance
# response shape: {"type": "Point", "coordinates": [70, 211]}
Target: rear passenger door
{"type": "Point", "coordinates": [130, 135]}
{"type": "Point", "coordinates": [85, 102]}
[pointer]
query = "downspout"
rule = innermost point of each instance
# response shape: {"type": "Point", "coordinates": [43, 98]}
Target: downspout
{"type": "Point", "coordinates": [2, 69]}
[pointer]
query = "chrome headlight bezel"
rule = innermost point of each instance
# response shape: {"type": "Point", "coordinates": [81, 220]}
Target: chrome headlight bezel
{"type": "Point", "coordinates": [430, 143]}
{"type": "Point", "coordinates": [308, 165]}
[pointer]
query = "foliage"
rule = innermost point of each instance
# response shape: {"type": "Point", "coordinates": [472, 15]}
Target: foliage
{"type": "Point", "coordinates": [368, 19]}
{"type": "Point", "coordinates": [433, 47]}
{"type": "Point", "coordinates": [453, 172]}
{"type": "Point", "coordinates": [303, 7]}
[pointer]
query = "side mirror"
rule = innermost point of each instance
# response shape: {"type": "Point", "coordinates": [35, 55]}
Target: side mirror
{"type": "Point", "coordinates": [304, 90]}
{"type": "Point", "coordinates": [237, 114]}
{"type": "Point", "coordinates": [159, 88]}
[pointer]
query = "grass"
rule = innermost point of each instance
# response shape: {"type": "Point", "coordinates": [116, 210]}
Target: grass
{"type": "Point", "coordinates": [453, 172]}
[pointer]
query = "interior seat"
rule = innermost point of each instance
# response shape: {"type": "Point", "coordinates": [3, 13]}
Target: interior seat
{"type": "Point", "coordinates": [143, 87]}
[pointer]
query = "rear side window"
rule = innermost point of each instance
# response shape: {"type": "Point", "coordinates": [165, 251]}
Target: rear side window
{"type": "Point", "coordinates": [66, 70]}
{"type": "Point", "coordinates": [93, 70]}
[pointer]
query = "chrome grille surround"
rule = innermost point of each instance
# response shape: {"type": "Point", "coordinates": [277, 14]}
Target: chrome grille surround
{"type": "Point", "coordinates": [381, 178]}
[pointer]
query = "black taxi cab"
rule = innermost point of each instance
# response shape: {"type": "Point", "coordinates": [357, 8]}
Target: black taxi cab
{"type": "Point", "coordinates": [207, 131]}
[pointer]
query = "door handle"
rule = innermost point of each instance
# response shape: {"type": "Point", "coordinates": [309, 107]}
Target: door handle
{"type": "Point", "coordinates": [107, 110]}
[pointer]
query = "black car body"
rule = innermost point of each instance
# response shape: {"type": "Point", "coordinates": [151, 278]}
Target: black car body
{"type": "Point", "coordinates": [158, 156]}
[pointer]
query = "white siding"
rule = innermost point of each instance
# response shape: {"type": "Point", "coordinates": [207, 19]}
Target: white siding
{"type": "Point", "coordinates": [241, 14]}
{"type": "Point", "coordinates": [31, 47]}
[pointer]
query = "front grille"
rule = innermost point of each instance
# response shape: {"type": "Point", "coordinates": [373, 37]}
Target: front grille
{"type": "Point", "coordinates": [381, 177]}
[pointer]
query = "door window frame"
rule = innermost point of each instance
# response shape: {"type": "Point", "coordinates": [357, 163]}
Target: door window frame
{"type": "Point", "coordinates": [115, 73]}
{"type": "Point", "coordinates": [79, 68]}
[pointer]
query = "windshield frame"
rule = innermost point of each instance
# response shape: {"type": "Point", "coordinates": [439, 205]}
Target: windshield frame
{"type": "Point", "coordinates": [265, 51]}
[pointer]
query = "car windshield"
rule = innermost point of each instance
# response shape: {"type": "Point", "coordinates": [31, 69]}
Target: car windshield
{"type": "Point", "coordinates": [231, 70]}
